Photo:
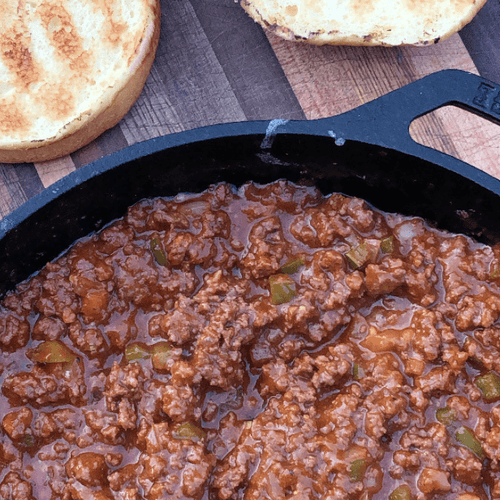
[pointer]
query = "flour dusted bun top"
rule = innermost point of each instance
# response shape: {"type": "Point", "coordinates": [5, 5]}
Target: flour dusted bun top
{"type": "Point", "coordinates": [69, 70]}
{"type": "Point", "coordinates": [363, 22]}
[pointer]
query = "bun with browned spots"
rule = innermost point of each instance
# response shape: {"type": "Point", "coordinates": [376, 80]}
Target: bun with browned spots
{"type": "Point", "coordinates": [363, 22]}
{"type": "Point", "coordinates": [69, 70]}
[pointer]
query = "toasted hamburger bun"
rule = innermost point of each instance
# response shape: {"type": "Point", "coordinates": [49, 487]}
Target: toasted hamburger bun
{"type": "Point", "coordinates": [363, 22]}
{"type": "Point", "coordinates": [69, 70]}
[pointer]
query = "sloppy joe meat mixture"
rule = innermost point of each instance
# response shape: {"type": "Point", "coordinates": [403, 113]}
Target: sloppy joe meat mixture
{"type": "Point", "coordinates": [265, 342]}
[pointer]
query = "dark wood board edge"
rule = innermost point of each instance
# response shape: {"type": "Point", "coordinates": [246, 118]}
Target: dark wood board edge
{"type": "Point", "coordinates": [481, 37]}
{"type": "Point", "coordinates": [250, 64]}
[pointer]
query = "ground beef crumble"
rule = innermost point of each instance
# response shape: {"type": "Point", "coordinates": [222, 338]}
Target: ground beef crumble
{"type": "Point", "coordinates": [265, 342]}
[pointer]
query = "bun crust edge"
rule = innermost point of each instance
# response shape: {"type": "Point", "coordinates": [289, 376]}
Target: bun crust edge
{"type": "Point", "coordinates": [380, 37]}
{"type": "Point", "coordinates": [112, 107]}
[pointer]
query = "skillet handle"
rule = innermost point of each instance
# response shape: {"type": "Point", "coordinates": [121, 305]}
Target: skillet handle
{"type": "Point", "coordinates": [386, 120]}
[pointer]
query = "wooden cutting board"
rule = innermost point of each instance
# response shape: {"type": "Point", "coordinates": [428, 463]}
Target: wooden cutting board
{"type": "Point", "coordinates": [215, 65]}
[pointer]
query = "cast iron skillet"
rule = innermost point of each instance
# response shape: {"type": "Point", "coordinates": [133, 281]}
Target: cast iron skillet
{"type": "Point", "coordinates": [367, 152]}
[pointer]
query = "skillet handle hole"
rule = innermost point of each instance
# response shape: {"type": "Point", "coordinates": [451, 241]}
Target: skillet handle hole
{"type": "Point", "coordinates": [468, 137]}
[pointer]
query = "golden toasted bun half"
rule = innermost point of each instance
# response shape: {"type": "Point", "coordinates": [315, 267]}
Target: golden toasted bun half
{"type": "Point", "coordinates": [363, 22]}
{"type": "Point", "coordinates": [69, 70]}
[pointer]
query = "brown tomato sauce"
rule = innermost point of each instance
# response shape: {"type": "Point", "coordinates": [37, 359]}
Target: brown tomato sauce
{"type": "Point", "coordinates": [259, 343]}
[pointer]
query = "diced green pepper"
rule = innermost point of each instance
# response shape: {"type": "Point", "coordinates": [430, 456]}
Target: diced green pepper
{"type": "Point", "coordinates": [282, 288]}
{"type": "Point", "coordinates": [402, 492]}
{"type": "Point", "coordinates": [187, 430]}
{"type": "Point", "coordinates": [158, 252]}
{"type": "Point", "coordinates": [387, 244]}
{"type": "Point", "coordinates": [446, 415]}
{"type": "Point", "coordinates": [363, 253]}
{"type": "Point", "coordinates": [489, 385]}
{"type": "Point", "coordinates": [495, 270]}
{"type": "Point", "coordinates": [358, 372]}
{"type": "Point", "coordinates": [161, 353]}
{"type": "Point", "coordinates": [137, 351]}
{"type": "Point", "coordinates": [466, 437]}
{"type": "Point", "coordinates": [28, 440]}
{"type": "Point", "coordinates": [358, 256]}
{"type": "Point", "coordinates": [293, 265]}
{"type": "Point", "coordinates": [357, 469]}
{"type": "Point", "coordinates": [52, 351]}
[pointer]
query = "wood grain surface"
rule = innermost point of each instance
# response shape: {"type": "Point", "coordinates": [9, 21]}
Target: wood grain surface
{"type": "Point", "coordinates": [346, 77]}
{"type": "Point", "coordinates": [215, 65]}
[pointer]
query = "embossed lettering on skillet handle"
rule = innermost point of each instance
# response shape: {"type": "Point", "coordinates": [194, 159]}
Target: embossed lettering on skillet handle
{"type": "Point", "coordinates": [487, 97]}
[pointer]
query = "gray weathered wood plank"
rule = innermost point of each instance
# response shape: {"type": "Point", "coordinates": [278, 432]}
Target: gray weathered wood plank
{"type": "Point", "coordinates": [248, 61]}
{"type": "Point", "coordinates": [481, 37]}
{"type": "Point", "coordinates": [187, 87]}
